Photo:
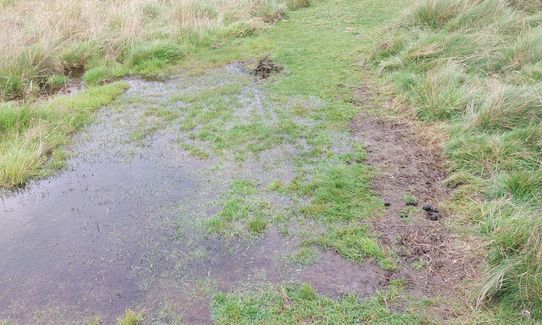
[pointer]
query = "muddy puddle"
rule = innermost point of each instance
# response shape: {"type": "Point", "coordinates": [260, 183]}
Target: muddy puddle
{"type": "Point", "coordinates": [122, 226]}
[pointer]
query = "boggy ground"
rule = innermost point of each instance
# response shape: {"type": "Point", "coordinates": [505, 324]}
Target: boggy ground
{"type": "Point", "coordinates": [137, 221]}
{"type": "Point", "coordinates": [219, 196]}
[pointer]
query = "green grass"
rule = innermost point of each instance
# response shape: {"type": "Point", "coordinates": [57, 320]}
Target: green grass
{"type": "Point", "coordinates": [32, 135]}
{"type": "Point", "coordinates": [305, 255]}
{"type": "Point", "coordinates": [410, 199]}
{"type": "Point", "coordinates": [340, 192]}
{"type": "Point", "coordinates": [475, 66]}
{"type": "Point", "coordinates": [300, 304]}
{"type": "Point", "coordinates": [356, 243]}
{"type": "Point", "coordinates": [335, 184]}
{"type": "Point", "coordinates": [242, 212]}
{"type": "Point", "coordinates": [131, 318]}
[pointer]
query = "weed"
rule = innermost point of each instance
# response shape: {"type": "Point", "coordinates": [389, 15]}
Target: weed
{"type": "Point", "coordinates": [131, 318]}
{"type": "Point", "coordinates": [410, 199]}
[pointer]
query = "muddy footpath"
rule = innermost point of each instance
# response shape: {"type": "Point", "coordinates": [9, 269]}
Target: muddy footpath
{"type": "Point", "coordinates": [121, 226]}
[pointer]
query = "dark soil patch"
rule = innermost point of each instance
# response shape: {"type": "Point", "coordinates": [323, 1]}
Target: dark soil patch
{"type": "Point", "coordinates": [430, 258]}
{"type": "Point", "coordinates": [265, 68]}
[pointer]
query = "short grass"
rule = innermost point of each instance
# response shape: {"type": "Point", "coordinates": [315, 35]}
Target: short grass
{"type": "Point", "coordinates": [475, 66]}
{"type": "Point", "coordinates": [300, 304]}
{"type": "Point", "coordinates": [242, 212]}
{"type": "Point", "coordinates": [322, 40]}
{"type": "Point", "coordinates": [32, 135]}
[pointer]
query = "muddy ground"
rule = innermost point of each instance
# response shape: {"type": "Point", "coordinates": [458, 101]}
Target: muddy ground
{"type": "Point", "coordinates": [121, 226]}
{"type": "Point", "coordinates": [432, 260]}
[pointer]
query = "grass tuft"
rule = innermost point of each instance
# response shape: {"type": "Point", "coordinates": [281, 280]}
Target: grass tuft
{"type": "Point", "coordinates": [145, 36]}
{"type": "Point", "coordinates": [131, 318]}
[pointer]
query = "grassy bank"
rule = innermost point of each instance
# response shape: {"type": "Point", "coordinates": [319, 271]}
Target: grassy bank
{"type": "Point", "coordinates": [475, 67]}
{"type": "Point", "coordinates": [31, 136]}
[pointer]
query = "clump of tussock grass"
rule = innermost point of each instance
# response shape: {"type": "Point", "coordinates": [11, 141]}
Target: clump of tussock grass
{"type": "Point", "coordinates": [131, 318]}
{"type": "Point", "coordinates": [66, 38]}
{"type": "Point", "coordinates": [31, 134]}
{"type": "Point", "coordinates": [296, 4]}
{"type": "Point", "coordinates": [477, 66]}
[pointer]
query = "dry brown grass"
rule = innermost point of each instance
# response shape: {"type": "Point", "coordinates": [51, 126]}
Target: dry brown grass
{"type": "Point", "coordinates": [41, 38]}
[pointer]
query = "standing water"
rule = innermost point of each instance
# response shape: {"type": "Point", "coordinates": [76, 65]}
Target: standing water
{"type": "Point", "coordinates": [123, 226]}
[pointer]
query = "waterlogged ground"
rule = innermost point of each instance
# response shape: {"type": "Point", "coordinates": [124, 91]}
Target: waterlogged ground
{"type": "Point", "coordinates": [216, 196]}
{"type": "Point", "coordinates": [175, 193]}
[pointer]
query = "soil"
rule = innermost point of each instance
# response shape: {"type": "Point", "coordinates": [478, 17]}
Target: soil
{"type": "Point", "coordinates": [429, 255]}
{"type": "Point", "coordinates": [266, 67]}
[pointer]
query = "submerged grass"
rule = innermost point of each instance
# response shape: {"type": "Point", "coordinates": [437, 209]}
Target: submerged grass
{"type": "Point", "coordinates": [242, 212]}
{"type": "Point", "coordinates": [333, 181]}
{"type": "Point", "coordinates": [103, 41]}
{"type": "Point", "coordinates": [475, 65]}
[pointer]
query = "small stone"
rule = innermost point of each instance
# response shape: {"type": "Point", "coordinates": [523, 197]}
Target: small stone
{"type": "Point", "coordinates": [428, 207]}
{"type": "Point", "coordinates": [433, 216]}
{"type": "Point", "coordinates": [387, 204]}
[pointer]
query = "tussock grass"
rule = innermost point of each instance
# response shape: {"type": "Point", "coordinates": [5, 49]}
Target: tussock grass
{"type": "Point", "coordinates": [40, 39]}
{"type": "Point", "coordinates": [476, 65]}
{"type": "Point", "coordinates": [30, 135]}
{"type": "Point", "coordinates": [131, 318]}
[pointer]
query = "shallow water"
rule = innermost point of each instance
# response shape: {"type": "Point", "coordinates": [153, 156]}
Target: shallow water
{"type": "Point", "coordinates": [121, 226]}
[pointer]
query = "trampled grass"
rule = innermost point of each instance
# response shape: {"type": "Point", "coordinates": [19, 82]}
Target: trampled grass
{"type": "Point", "coordinates": [476, 66]}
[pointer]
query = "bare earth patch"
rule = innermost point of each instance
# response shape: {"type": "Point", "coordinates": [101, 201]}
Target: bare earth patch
{"type": "Point", "coordinates": [431, 259]}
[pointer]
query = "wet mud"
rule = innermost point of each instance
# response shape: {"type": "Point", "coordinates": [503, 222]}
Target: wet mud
{"type": "Point", "coordinates": [122, 226]}
{"type": "Point", "coordinates": [432, 261]}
